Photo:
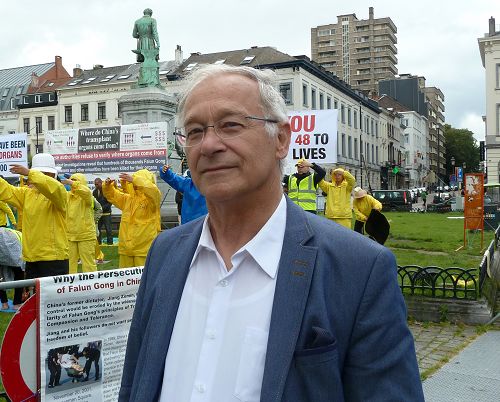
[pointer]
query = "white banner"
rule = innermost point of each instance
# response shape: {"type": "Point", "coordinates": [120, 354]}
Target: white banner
{"type": "Point", "coordinates": [13, 150]}
{"type": "Point", "coordinates": [314, 136]}
{"type": "Point", "coordinates": [105, 150]}
{"type": "Point", "coordinates": [84, 320]}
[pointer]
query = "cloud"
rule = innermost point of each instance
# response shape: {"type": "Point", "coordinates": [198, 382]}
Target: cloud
{"type": "Point", "coordinates": [473, 122]}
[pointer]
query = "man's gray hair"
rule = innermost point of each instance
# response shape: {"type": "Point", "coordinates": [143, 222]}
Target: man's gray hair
{"type": "Point", "coordinates": [273, 104]}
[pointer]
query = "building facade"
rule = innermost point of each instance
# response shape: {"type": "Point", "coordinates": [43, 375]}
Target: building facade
{"type": "Point", "coordinates": [489, 47]}
{"type": "Point", "coordinates": [360, 52]}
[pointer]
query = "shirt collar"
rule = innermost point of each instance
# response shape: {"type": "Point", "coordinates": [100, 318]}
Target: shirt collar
{"type": "Point", "coordinates": [265, 247]}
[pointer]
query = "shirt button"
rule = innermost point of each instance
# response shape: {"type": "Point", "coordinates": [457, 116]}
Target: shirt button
{"type": "Point", "coordinates": [211, 334]}
{"type": "Point", "coordinates": [200, 388]}
{"type": "Point", "coordinates": [224, 283]}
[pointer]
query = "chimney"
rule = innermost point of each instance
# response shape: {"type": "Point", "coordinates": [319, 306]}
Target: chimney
{"type": "Point", "coordinates": [59, 66]}
{"type": "Point", "coordinates": [370, 13]}
{"type": "Point", "coordinates": [98, 66]}
{"type": "Point", "coordinates": [178, 55]}
{"type": "Point", "coordinates": [491, 30]}
{"type": "Point", "coordinates": [77, 71]}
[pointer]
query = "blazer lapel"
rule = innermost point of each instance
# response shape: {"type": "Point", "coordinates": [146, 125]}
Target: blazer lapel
{"type": "Point", "coordinates": [173, 274]}
{"type": "Point", "coordinates": [295, 272]}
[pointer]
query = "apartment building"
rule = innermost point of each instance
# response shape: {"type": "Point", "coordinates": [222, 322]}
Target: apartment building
{"type": "Point", "coordinates": [360, 52]}
{"type": "Point", "coordinates": [489, 48]}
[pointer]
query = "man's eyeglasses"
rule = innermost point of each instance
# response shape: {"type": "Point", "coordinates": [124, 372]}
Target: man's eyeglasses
{"type": "Point", "coordinates": [226, 129]}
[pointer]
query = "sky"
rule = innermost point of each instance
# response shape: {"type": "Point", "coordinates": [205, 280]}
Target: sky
{"type": "Point", "coordinates": [437, 39]}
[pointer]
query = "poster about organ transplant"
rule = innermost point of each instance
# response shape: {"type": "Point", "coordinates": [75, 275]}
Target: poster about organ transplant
{"type": "Point", "coordinates": [83, 321]}
{"type": "Point", "coordinates": [314, 136]}
{"type": "Point", "coordinates": [97, 150]}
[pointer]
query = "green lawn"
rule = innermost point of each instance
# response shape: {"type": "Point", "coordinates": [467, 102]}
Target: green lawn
{"type": "Point", "coordinates": [432, 238]}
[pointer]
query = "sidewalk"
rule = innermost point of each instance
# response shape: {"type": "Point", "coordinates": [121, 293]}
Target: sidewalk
{"type": "Point", "coordinates": [472, 375]}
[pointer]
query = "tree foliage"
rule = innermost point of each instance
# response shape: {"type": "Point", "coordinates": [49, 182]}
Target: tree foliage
{"type": "Point", "coordinates": [461, 145]}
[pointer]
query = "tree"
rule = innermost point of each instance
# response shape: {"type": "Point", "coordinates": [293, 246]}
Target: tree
{"type": "Point", "coordinates": [461, 145]}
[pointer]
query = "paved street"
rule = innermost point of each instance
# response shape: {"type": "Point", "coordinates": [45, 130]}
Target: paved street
{"type": "Point", "coordinates": [434, 342]}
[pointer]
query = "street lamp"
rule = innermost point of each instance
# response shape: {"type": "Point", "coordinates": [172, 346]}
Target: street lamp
{"type": "Point", "coordinates": [452, 161]}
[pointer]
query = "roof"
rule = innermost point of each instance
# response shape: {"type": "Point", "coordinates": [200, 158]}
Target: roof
{"type": "Point", "coordinates": [22, 75]}
{"type": "Point", "coordinates": [253, 57]}
{"type": "Point", "coordinates": [15, 82]}
{"type": "Point", "coordinates": [115, 74]}
{"type": "Point", "coordinates": [389, 102]}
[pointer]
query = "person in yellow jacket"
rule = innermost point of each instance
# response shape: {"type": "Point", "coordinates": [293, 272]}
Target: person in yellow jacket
{"type": "Point", "coordinates": [81, 226]}
{"type": "Point", "coordinates": [363, 204]}
{"type": "Point", "coordinates": [44, 203]}
{"type": "Point", "coordinates": [140, 207]}
{"type": "Point", "coordinates": [338, 197]}
{"type": "Point", "coordinates": [6, 212]}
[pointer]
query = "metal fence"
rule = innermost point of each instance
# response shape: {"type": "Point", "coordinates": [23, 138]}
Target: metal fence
{"type": "Point", "coordinates": [432, 281]}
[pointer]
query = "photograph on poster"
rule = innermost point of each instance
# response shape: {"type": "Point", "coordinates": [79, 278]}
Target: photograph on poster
{"type": "Point", "coordinates": [71, 366]}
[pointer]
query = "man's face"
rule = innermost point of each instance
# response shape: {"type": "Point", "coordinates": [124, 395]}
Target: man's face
{"type": "Point", "coordinates": [302, 169]}
{"type": "Point", "coordinates": [98, 183]}
{"type": "Point", "coordinates": [229, 170]}
{"type": "Point", "coordinates": [338, 177]}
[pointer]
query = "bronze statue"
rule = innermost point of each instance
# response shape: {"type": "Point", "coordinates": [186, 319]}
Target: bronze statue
{"type": "Point", "coordinates": [148, 50]}
{"type": "Point", "coordinates": [146, 33]}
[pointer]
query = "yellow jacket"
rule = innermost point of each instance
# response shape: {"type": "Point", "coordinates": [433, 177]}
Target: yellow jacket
{"type": "Point", "coordinates": [3, 217]}
{"type": "Point", "coordinates": [338, 198]}
{"type": "Point", "coordinates": [44, 204]}
{"type": "Point", "coordinates": [364, 205]}
{"type": "Point", "coordinates": [140, 210]}
{"type": "Point", "coordinates": [81, 224]}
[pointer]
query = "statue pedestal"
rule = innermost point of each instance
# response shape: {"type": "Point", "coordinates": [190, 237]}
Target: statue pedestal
{"type": "Point", "coordinates": [147, 105]}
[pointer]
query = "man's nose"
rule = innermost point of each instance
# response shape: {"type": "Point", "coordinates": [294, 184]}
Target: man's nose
{"type": "Point", "coordinates": [211, 141]}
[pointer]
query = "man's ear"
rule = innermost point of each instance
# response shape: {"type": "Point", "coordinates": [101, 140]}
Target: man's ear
{"type": "Point", "coordinates": [283, 140]}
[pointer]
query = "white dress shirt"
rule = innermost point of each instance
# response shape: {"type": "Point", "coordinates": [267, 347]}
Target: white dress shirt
{"type": "Point", "coordinates": [219, 341]}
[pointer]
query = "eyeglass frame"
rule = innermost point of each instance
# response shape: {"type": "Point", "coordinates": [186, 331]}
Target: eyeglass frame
{"type": "Point", "coordinates": [205, 128]}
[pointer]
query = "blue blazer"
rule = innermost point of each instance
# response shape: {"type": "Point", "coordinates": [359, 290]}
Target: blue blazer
{"type": "Point", "coordinates": [338, 326]}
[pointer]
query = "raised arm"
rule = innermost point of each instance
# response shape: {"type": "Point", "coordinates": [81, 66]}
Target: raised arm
{"type": "Point", "coordinates": [50, 188]}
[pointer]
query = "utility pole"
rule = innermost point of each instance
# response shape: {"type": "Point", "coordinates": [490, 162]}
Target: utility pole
{"type": "Point", "coordinates": [361, 143]}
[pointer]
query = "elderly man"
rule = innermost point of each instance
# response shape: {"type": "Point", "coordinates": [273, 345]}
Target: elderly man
{"type": "Point", "coordinates": [301, 186]}
{"type": "Point", "coordinates": [261, 301]}
{"type": "Point", "coordinates": [338, 197]}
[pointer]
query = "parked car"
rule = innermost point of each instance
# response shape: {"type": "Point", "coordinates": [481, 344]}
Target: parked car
{"type": "Point", "coordinates": [394, 200]}
{"type": "Point", "coordinates": [444, 206]}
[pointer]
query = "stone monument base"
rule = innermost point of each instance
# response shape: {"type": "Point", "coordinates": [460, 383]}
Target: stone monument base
{"type": "Point", "coordinates": [147, 105]}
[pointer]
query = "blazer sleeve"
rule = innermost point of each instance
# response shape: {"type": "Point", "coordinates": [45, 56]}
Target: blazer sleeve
{"type": "Point", "coordinates": [137, 328]}
{"type": "Point", "coordinates": [381, 364]}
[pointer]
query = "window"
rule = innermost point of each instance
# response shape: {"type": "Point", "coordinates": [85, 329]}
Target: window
{"type": "Point", "coordinates": [349, 146]}
{"type": "Point", "coordinates": [498, 118]}
{"type": "Point", "coordinates": [221, 61]}
{"type": "Point", "coordinates": [373, 153]}
{"type": "Point", "coordinates": [286, 92]}
{"type": "Point", "coordinates": [313, 98]}
{"type": "Point", "coordinates": [373, 127]}
{"type": "Point", "coordinates": [38, 98]}
{"type": "Point", "coordinates": [356, 148]}
{"type": "Point", "coordinates": [247, 60]}
{"type": "Point", "coordinates": [304, 94]}
{"type": "Point", "coordinates": [5, 92]}
{"type": "Point", "coordinates": [498, 75]}
{"type": "Point", "coordinates": [51, 123]}
{"type": "Point", "coordinates": [342, 113]}
{"type": "Point", "coordinates": [189, 67]}
{"type": "Point", "coordinates": [25, 100]}
{"type": "Point", "coordinates": [84, 114]}
{"type": "Point", "coordinates": [51, 97]}
{"type": "Point", "coordinates": [355, 117]}
{"type": "Point", "coordinates": [328, 102]}
{"type": "Point", "coordinates": [349, 120]}
{"type": "Point", "coordinates": [321, 101]}
{"type": "Point", "coordinates": [376, 129]}
{"type": "Point", "coordinates": [26, 125]}
{"type": "Point", "coordinates": [376, 154]}
{"type": "Point", "coordinates": [12, 103]}
{"type": "Point", "coordinates": [343, 145]}
{"type": "Point", "coordinates": [101, 111]}
{"type": "Point", "coordinates": [68, 114]}
{"type": "Point", "coordinates": [335, 104]}
{"type": "Point", "coordinates": [38, 122]}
